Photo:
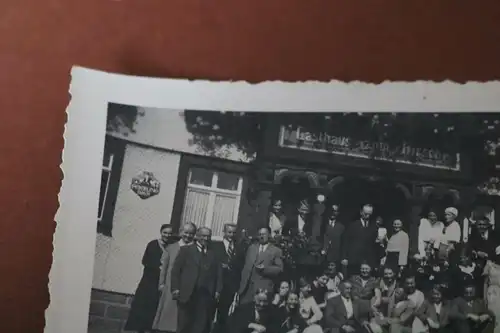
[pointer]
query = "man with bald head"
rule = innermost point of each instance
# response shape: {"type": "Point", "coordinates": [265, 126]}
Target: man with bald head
{"type": "Point", "coordinates": [196, 284]}
{"type": "Point", "coordinates": [263, 263]}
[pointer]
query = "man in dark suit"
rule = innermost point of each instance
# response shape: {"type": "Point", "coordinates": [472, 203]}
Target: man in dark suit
{"type": "Point", "coordinates": [470, 313]}
{"type": "Point", "coordinates": [483, 240]}
{"type": "Point", "coordinates": [332, 239]}
{"type": "Point", "coordinates": [346, 315]}
{"type": "Point", "coordinates": [359, 242]}
{"type": "Point", "coordinates": [229, 257]}
{"type": "Point", "coordinates": [196, 284]}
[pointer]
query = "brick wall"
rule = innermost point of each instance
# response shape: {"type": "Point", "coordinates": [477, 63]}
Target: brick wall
{"type": "Point", "coordinates": [108, 311]}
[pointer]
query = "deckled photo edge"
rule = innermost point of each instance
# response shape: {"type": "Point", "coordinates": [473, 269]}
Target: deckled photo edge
{"type": "Point", "coordinates": [93, 90]}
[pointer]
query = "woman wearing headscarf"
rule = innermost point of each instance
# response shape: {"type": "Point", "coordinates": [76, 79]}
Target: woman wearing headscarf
{"type": "Point", "coordinates": [451, 233]}
{"type": "Point", "coordinates": [145, 302]}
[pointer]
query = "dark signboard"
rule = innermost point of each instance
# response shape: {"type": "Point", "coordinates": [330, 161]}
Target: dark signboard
{"type": "Point", "coordinates": [145, 185]}
{"type": "Point", "coordinates": [296, 137]}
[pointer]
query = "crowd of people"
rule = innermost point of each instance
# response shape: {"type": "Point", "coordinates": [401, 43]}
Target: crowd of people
{"type": "Point", "coordinates": [364, 278]}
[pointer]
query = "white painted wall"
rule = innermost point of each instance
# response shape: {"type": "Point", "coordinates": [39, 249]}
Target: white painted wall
{"type": "Point", "coordinates": [166, 129]}
{"type": "Point", "coordinates": [136, 221]}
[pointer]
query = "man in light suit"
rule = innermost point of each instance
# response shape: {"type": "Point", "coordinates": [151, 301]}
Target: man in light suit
{"type": "Point", "coordinates": [196, 283]}
{"type": "Point", "coordinates": [263, 263]}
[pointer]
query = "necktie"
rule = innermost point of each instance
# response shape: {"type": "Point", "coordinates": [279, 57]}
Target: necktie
{"type": "Point", "coordinates": [230, 250]}
{"type": "Point", "coordinates": [261, 248]}
{"type": "Point", "coordinates": [201, 248]}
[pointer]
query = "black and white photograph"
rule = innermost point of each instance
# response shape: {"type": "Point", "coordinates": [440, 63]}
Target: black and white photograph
{"type": "Point", "coordinates": [235, 222]}
{"type": "Point", "coordinates": [225, 207]}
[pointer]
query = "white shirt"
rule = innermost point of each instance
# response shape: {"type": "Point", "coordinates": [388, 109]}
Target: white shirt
{"type": "Point", "coordinates": [182, 243]}
{"type": "Point", "coordinates": [438, 308]}
{"type": "Point", "coordinates": [485, 235]}
{"type": "Point", "coordinates": [262, 248]}
{"type": "Point", "coordinates": [428, 232]}
{"type": "Point", "coordinates": [364, 223]}
{"type": "Point", "coordinates": [332, 223]}
{"type": "Point", "coordinates": [275, 225]}
{"type": "Point", "coordinates": [302, 223]}
{"type": "Point", "coordinates": [226, 244]}
{"type": "Point", "coordinates": [348, 306]}
{"type": "Point", "coordinates": [452, 233]}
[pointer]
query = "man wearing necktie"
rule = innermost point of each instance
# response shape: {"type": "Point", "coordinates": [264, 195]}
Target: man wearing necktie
{"type": "Point", "coordinates": [332, 240]}
{"type": "Point", "coordinates": [263, 264]}
{"type": "Point", "coordinates": [358, 242]}
{"type": "Point", "coordinates": [196, 283]}
{"type": "Point", "coordinates": [228, 256]}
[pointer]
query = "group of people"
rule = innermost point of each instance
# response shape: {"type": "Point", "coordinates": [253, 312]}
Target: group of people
{"type": "Point", "coordinates": [368, 281]}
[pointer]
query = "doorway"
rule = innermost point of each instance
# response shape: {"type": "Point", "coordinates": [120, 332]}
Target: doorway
{"type": "Point", "coordinates": [388, 201]}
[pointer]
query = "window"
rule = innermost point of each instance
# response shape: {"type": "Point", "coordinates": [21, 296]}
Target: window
{"type": "Point", "coordinates": [212, 199]}
{"type": "Point", "coordinates": [114, 150]}
{"type": "Point", "coordinates": [107, 166]}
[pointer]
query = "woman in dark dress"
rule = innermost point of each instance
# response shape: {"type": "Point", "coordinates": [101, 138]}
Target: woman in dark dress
{"type": "Point", "coordinates": [145, 302]}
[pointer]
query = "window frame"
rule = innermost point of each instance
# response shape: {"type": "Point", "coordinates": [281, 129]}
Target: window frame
{"type": "Point", "coordinates": [188, 162]}
{"type": "Point", "coordinates": [116, 149]}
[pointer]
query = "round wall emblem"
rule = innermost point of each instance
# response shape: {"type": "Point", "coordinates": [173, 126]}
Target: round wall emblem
{"type": "Point", "coordinates": [145, 185]}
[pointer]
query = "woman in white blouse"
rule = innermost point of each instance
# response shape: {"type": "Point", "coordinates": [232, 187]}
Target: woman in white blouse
{"type": "Point", "coordinates": [309, 309]}
{"type": "Point", "coordinates": [451, 233]}
{"type": "Point", "coordinates": [276, 218]}
{"type": "Point", "coordinates": [397, 246]}
{"type": "Point", "coordinates": [429, 231]}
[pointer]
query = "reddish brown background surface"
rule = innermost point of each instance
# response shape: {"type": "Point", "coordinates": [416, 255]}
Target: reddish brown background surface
{"type": "Point", "coordinates": [227, 39]}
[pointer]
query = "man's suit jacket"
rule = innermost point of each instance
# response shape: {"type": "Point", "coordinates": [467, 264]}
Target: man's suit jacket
{"type": "Point", "coordinates": [245, 314]}
{"type": "Point", "coordinates": [232, 266]}
{"type": "Point", "coordinates": [189, 265]}
{"type": "Point", "coordinates": [477, 243]}
{"type": "Point", "coordinates": [427, 310]}
{"type": "Point", "coordinates": [335, 314]}
{"type": "Point", "coordinates": [332, 241]}
{"type": "Point", "coordinates": [359, 243]}
{"type": "Point", "coordinates": [272, 260]}
{"type": "Point", "coordinates": [461, 308]}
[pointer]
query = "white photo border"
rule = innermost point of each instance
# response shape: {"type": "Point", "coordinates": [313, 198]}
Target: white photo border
{"type": "Point", "coordinates": [70, 278]}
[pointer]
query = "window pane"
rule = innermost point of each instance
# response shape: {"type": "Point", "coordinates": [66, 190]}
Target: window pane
{"type": "Point", "coordinates": [195, 207]}
{"type": "Point", "coordinates": [102, 194]}
{"type": "Point", "coordinates": [201, 177]}
{"type": "Point", "coordinates": [227, 181]}
{"type": "Point", "coordinates": [223, 213]}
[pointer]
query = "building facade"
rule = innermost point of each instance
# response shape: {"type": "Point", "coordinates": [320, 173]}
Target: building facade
{"type": "Point", "coordinates": [211, 189]}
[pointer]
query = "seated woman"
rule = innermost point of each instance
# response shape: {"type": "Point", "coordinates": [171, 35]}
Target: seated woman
{"type": "Point", "coordinates": [385, 292]}
{"type": "Point", "coordinates": [364, 283]}
{"type": "Point", "coordinates": [253, 317]}
{"type": "Point", "coordinates": [281, 296]}
{"type": "Point", "coordinates": [334, 280]}
{"type": "Point", "coordinates": [319, 290]}
{"type": "Point", "coordinates": [308, 308]}
{"type": "Point", "coordinates": [288, 318]}
{"type": "Point", "coordinates": [466, 272]}
{"type": "Point", "coordinates": [398, 246]}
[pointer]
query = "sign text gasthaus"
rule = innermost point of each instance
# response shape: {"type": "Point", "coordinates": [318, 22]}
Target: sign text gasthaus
{"type": "Point", "coordinates": [296, 137]}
